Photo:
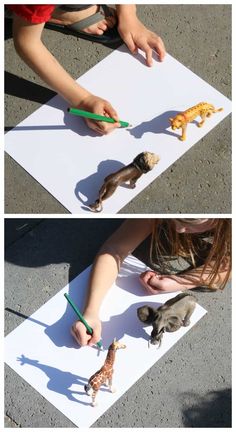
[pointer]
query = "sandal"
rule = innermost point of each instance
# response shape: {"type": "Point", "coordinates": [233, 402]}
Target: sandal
{"type": "Point", "coordinates": [109, 37]}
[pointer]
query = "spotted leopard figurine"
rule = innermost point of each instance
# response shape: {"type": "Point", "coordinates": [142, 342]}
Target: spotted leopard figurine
{"type": "Point", "coordinates": [203, 109]}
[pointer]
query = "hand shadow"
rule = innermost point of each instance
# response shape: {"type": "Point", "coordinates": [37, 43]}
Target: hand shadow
{"type": "Point", "coordinates": [78, 125]}
{"type": "Point", "coordinates": [89, 187]}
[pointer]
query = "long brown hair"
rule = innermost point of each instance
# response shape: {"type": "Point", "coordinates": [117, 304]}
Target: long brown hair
{"type": "Point", "coordinates": [212, 248]}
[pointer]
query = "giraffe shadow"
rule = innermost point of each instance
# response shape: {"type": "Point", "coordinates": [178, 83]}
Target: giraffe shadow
{"type": "Point", "coordinates": [59, 381]}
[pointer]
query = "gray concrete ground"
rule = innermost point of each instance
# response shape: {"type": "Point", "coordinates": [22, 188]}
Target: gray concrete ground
{"type": "Point", "coordinates": [199, 36]}
{"type": "Point", "coordinates": [190, 386]}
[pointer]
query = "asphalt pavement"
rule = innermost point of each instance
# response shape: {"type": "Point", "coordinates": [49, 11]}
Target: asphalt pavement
{"type": "Point", "coordinates": [199, 36]}
{"type": "Point", "coordinates": [190, 386]}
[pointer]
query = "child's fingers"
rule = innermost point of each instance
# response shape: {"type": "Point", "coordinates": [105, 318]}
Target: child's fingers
{"type": "Point", "coordinates": [159, 47]}
{"type": "Point", "coordinates": [102, 128]}
{"type": "Point", "coordinates": [128, 39]}
{"type": "Point", "coordinates": [104, 108]}
{"type": "Point", "coordinates": [151, 290]}
{"type": "Point", "coordinates": [78, 331]}
{"type": "Point", "coordinates": [156, 291]}
{"type": "Point", "coordinates": [96, 337]}
{"type": "Point", "coordinates": [150, 281]}
{"type": "Point", "coordinates": [96, 126]}
{"type": "Point", "coordinates": [146, 48]}
{"type": "Point", "coordinates": [108, 109]}
{"type": "Point", "coordinates": [148, 53]}
{"type": "Point", "coordinates": [145, 276]}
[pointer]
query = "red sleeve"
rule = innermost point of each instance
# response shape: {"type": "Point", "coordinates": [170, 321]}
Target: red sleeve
{"type": "Point", "coordinates": [35, 14]}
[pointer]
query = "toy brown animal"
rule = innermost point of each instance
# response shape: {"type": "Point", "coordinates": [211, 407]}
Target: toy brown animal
{"type": "Point", "coordinates": [141, 164]}
{"type": "Point", "coordinates": [169, 317]}
{"type": "Point", "coordinates": [203, 109]}
{"type": "Point", "coordinates": [103, 375]}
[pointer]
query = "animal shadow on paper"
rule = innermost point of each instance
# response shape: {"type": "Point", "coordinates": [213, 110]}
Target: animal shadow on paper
{"type": "Point", "coordinates": [126, 323]}
{"type": "Point", "coordinates": [58, 381]}
{"type": "Point", "coordinates": [89, 187]}
{"type": "Point", "coordinates": [158, 125]}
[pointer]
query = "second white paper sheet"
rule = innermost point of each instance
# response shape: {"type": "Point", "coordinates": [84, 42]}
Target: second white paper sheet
{"type": "Point", "coordinates": [42, 351]}
{"type": "Point", "coordinates": [71, 161]}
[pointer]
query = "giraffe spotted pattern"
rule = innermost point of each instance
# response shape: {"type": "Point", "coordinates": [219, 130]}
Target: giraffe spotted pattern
{"type": "Point", "coordinates": [103, 375]}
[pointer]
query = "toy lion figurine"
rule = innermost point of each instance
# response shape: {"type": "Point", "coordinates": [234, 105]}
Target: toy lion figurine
{"type": "Point", "coordinates": [141, 164]}
{"type": "Point", "coordinates": [203, 109]}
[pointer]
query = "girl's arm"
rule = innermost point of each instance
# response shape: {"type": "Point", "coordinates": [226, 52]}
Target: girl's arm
{"type": "Point", "coordinates": [104, 272]}
{"type": "Point", "coordinates": [29, 46]}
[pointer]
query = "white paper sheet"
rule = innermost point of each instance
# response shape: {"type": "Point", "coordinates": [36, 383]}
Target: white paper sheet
{"type": "Point", "coordinates": [42, 351]}
{"type": "Point", "coordinates": [70, 161]}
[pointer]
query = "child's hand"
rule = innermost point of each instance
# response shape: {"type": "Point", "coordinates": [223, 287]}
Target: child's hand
{"type": "Point", "coordinates": [99, 106]}
{"type": "Point", "coordinates": [79, 331]}
{"type": "Point", "coordinates": [136, 35]}
{"type": "Point", "coordinates": [157, 284]}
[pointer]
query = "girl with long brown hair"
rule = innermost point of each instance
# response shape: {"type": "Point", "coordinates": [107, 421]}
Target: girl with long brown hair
{"type": "Point", "coordinates": [200, 247]}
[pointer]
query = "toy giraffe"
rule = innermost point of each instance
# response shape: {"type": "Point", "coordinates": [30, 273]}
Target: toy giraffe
{"type": "Point", "coordinates": [103, 375]}
{"type": "Point", "coordinates": [203, 109]}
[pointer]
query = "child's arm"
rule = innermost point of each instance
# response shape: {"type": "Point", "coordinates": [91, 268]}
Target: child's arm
{"type": "Point", "coordinates": [104, 272]}
{"type": "Point", "coordinates": [29, 46]}
{"type": "Point", "coordinates": [136, 35]}
{"type": "Point", "coordinates": [156, 284]}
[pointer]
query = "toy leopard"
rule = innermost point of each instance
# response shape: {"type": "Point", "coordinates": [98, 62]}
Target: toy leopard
{"type": "Point", "coordinates": [203, 109]}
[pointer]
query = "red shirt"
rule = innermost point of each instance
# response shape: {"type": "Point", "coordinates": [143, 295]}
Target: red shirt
{"type": "Point", "coordinates": [35, 14]}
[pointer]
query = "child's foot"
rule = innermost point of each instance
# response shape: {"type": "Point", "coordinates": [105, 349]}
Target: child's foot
{"type": "Point", "coordinates": [68, 18]}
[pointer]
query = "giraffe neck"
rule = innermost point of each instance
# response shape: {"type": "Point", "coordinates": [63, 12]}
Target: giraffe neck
{"type": "Point", "coordinates": [110, 358]}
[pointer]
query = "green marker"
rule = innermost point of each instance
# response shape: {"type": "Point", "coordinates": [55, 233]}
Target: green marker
{"type": "Point", "coordinates": [93, 116]}
{"type": "Point", "coordinates": [81, 318]}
